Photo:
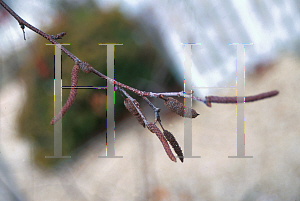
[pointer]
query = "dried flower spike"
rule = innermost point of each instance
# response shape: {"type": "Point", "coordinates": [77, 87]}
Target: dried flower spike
{"type": "Point", "coordinates": [171, 139]}
{"type": "Point", "coordinates": [153, 128]}
{"type": "Point", "coordinates": [178, 107]}
{"type": "Point", "coordinates": [130, 107]}
{"type": "Point", "coordinates": [72, 95]}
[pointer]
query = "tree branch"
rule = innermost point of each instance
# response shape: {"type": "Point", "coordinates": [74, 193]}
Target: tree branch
{"type": "Point", "coordinates": [131, 104]}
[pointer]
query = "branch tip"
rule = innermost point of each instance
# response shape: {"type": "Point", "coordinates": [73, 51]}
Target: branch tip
{"type": "Point", "coordinates": [235, 99]}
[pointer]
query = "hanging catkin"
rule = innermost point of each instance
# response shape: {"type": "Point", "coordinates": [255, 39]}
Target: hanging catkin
{"type": "Point", "coordinates": [153, 128]}
{"type": "Point", "coordinates": [171, 139]}
{"type": "Point", "coordinates": [178, 107]}
{"type": "Point", "coordinates": [72, 95]}
{"type": "Point", "coordinates": [130, 107]}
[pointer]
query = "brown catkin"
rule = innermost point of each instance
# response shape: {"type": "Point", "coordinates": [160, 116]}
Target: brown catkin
{"type": "Point", "coordinates": [178, 107]}
{"type": "Point", "coordinates": [71, 98]}
{"type": "Point", "coordinates": [153, 128]}
{"type": "Point", "coordinates": [171, 139]}
{"type": "Point", "coordinates": [130, 107]}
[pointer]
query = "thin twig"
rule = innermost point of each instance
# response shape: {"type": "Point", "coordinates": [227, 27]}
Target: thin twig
{"type": "Point", "coordinates": [155, 109]}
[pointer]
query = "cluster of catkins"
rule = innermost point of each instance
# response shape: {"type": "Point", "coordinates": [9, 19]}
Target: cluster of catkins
{"type": "Point", "coordinates": [166, 137]}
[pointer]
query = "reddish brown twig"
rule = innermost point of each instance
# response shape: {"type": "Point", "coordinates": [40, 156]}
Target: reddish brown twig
{"type": "Point", "coordinates": [234, 99]}
{"type": "Point", "coordinates": [72, 95]}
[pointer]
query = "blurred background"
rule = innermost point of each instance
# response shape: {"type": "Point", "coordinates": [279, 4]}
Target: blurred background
{"type": "Point", "coordinates": [151, 59]}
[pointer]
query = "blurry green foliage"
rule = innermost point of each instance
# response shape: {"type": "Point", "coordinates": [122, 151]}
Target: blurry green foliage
{"type": "Point", "coordinates": [85, 26]}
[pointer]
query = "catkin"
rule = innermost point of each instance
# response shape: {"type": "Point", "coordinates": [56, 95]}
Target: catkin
{"type": "Point", "coordinates": [153, 128]}
{"type": "Point", "coordinates": [171, 139]}
{"type": "Point", "coordinates": [178, 107]}
{"type": "Point", "coordinates": [71, 98]}
{"type": "Point", "coordinates": [130, 107]}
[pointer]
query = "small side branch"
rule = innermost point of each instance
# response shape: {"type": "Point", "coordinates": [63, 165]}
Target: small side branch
{"type": "Point", "coordinates": [155, 109]}
{"type": "Point", "coordinates": [59, 36]}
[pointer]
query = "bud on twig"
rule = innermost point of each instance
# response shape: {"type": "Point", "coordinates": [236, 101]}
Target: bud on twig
{"type": "Point", "coordinates": [59, 36]}
{"type": "Point", "coordinates": [130, 107]}
{"type": "Point", "coordinates": [178, 107]}
{"type": "Point", "coordinates": [153, 128]}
